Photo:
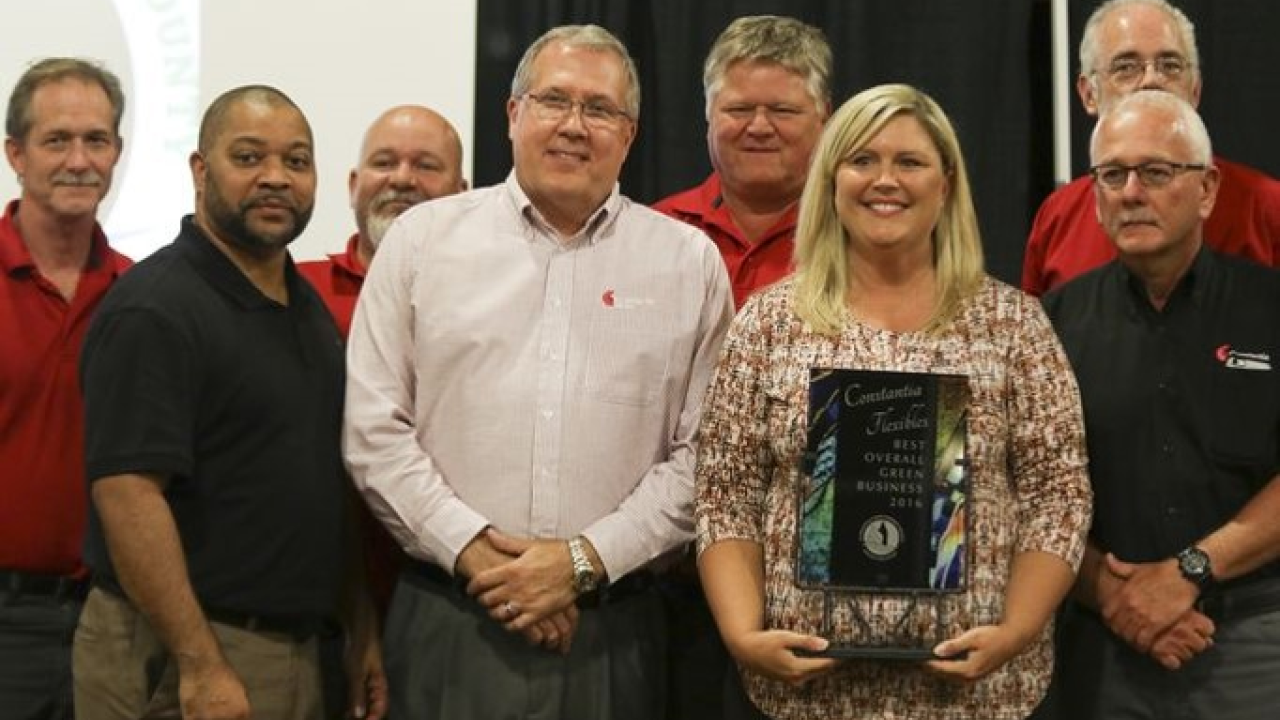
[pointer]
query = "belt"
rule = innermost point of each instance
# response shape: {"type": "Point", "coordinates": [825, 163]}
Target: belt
{"type": "Point", "coordinates": [1236, 602]}
{"type": "Point", "coordinates": [16, 584]}
{"type": "Point", "coordinates": [298, 627]}
{"type": "Point", "coordinates": [627, 586]}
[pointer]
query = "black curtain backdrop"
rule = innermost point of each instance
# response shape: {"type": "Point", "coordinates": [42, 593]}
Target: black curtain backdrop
{"type": "Point", "coordinates": [987, 62]}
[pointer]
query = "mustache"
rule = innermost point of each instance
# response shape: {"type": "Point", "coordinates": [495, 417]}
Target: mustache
{"type": "Point", "coordinates": [386, 197]}
{"type": "Point", "coordinates": [269, 198]}
{"type": "Point", "coordinates": [85, 179]}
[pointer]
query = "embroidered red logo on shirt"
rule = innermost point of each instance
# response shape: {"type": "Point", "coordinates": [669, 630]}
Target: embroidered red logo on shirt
{"type": "Point", "coordinates": [607, 298]}
{"type": "Point", "coordinates": [1240, 360]}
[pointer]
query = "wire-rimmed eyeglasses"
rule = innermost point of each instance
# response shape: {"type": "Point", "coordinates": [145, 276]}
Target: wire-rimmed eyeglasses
{"type": "Point", "coordinates": [596, 112]}
{"type": "Point", "coordinates": [1129, 70]}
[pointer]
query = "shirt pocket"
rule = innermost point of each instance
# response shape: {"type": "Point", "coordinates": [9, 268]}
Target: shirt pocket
{"type": "Point", "coordinates": [1243, 419]}
{"type": "Point", "coordinates": [626, 365]}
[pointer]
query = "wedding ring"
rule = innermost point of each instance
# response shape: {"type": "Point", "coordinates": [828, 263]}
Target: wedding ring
{"type": "Point", "coordinates": [509, 609]}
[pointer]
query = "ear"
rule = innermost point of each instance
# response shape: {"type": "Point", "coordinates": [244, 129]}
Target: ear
{"type": "Point", "coordinates": [351, 188]}
{"type": "Point", "coordinates": [1209, 185]}
{"type": "Point", "coordinates": [1087, 89]}
{"type": "Point", "coordinates": [17, 161]}
{"type": "Point", "coordinates": [199, 171]}
{"type": "Point", "coordinates": [513, 114]}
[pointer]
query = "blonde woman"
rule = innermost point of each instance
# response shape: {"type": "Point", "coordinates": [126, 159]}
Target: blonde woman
{"type": "Point", "coordinates": [889, 276]}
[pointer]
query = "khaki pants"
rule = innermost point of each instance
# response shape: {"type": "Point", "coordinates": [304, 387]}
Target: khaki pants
{"type": "Point", "coordinates": [123, 672]}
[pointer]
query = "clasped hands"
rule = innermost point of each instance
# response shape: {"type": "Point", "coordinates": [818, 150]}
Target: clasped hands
{"type": "Point", "coordinates": [1152, 607]}
{"type": "Point", "coordinates": [525, 584]}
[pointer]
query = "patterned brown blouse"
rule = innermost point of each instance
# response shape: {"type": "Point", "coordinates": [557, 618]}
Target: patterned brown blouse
{"type": "Point", "coordinates": [1029, 491]}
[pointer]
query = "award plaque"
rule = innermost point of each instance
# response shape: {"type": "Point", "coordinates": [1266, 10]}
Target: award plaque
{"type": "Point", "coordinates": [883, 502]}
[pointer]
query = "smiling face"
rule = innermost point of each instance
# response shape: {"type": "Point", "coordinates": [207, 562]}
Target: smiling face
{"type": "Point", "coordinates": [566, 168]}
{"type": "Point", "coordinates": [890, 193]}
{"type": "Point", "coordinates": [410, 155]}
{"type": "Point", "coordinates": [66, 160]}
{"type": "Point", "coordinates": [256, 183]}
{"type": "Point", "coordinates": [761, 130]}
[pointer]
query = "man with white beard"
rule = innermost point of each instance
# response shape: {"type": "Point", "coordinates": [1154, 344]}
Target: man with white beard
{"type": "Point", "coordinates": [410, 154]}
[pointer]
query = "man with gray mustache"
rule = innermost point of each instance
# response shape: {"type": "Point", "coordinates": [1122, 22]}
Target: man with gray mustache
{"type": "Point", "coordinates": [63, 142]}
{"type": "Point", "coordinates": [1176, 609]}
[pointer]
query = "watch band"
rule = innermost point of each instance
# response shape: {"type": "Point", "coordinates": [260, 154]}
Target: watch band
{"type": "Point", "coordinates": [584, 573]}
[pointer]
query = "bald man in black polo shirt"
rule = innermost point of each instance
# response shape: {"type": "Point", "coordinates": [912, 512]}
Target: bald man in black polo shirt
{"type": "Point", "coordinates": [213, 383]}
{"type": "Point", "coordinates": [1177, 605]}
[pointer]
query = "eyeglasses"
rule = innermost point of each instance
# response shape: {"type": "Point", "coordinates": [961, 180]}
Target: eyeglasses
{"type": "Point", "coordinates": [596, 113]}
{"type": "Point", "coordinates": [1128, 70]}
{"type": "Point", "coordinates": [1152, 174]}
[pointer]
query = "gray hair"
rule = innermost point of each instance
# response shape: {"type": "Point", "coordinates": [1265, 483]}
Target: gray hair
{"type": "Point", "coordinates": [1184, 120]}
{"type": "Point", "coordinates": [18, 120]}
{"type": "Point", "coordinates": [1089, 42]}
{"type": "Point", "coordinates": [590, 37]}
{"type": "Point", "coordinates": [797, 47]}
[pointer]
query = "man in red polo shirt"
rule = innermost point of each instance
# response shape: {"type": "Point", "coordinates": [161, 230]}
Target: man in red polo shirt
{"type": "Point", "coordinates": [767, 87]}
{"type": "Point", "coordinates": [1133, 45]}
{"type": "Point", "coordinates": [410, 154]}
{"type": "Point", "coordinates": [63, 141]}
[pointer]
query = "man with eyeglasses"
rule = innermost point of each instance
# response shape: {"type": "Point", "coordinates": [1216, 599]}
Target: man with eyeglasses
{"type": "Point", "coordinates": [1130, 45]}
{"type": "Point", "coordinates": [1176, 348]}
{"type": "Point", "coordinates": [525, 374]}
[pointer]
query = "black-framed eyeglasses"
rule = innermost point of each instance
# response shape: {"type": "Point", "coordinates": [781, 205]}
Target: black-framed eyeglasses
{"type": "Point", "coordinates": [1151, 174]}
{"type": "Point", "coordinates": [1129, 70]}
{"type": "Point", "coordinates": [596, 112]}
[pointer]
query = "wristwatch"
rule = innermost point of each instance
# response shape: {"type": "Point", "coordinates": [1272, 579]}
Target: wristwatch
{"type": "Point", "coordinates": [584, 573]}
{"type": "Point", "coordinates": [1194, 565]}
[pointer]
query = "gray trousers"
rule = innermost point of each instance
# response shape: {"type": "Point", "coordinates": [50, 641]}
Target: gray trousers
{"type": "Point", "coordinates": [1100, 677]}
{"type": "Point", "coordinates": [35, 657]}
{"type": "Point", "coordinates": [446, 659]}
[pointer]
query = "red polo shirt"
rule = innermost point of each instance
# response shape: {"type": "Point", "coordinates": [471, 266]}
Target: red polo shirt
{"type": "Point", "coordinates": [43, 494]}
{"type": "Point", "coordinates": [1067, 240]}
{"type": "Point", "coordinates": [338, 281]}
{"type": "Point", "coordinates": [751, 266]}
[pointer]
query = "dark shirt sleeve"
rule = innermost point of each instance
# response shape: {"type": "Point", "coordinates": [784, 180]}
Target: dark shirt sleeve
{"type": "Point", "coordinates": [138, 374]}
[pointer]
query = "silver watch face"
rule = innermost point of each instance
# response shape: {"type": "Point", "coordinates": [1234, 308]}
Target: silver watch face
{"type": "Point", "coordinates": [1194, 564]}
{"type": "Point", "coordinates": [584, 580]}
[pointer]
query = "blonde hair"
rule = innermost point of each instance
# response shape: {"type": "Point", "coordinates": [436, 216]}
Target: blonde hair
{"type": "Point", "coordinates": [798, 48]}
{"type": "Point", "coordinates": [822, 253]}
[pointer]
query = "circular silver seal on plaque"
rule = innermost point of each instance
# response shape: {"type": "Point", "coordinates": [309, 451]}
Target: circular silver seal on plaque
{"type": "Point", "coordinates": [881, 537]}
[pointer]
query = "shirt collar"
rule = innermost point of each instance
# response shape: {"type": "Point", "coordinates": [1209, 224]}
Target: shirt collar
{"type": "Point", "coordinates": [1191, 287]}
{"type": "Point", "coordinates": [348, 261]}
{"type": "Point", "coordinates": [533, 225]}
{"type": "Point", "coordinates": [15, 256]}
{"type": "Point", "coordinates": [223, 274]}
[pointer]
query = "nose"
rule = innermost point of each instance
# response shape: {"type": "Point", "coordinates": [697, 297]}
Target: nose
{"type": "Point", "coordinates": [760, 121]}
{"type": "Point", "coordinates": [1133, 188]}
{"type": "Point", "coordinates": [1152, 78]}
{"type": "Point", "coordinates": [402, 175]}
{"type": "Point", "coordinates": [77, 157]}
{"type": "Point", "coordinates": [274, 174]}
{"type": "Point", "coordinates": [573, 123]}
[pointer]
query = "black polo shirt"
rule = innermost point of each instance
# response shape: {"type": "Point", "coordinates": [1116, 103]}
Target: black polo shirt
{"type": "Point", "coordinates": [1182, 406]}
{"type": "Point", "coordinates": [190, 372]}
